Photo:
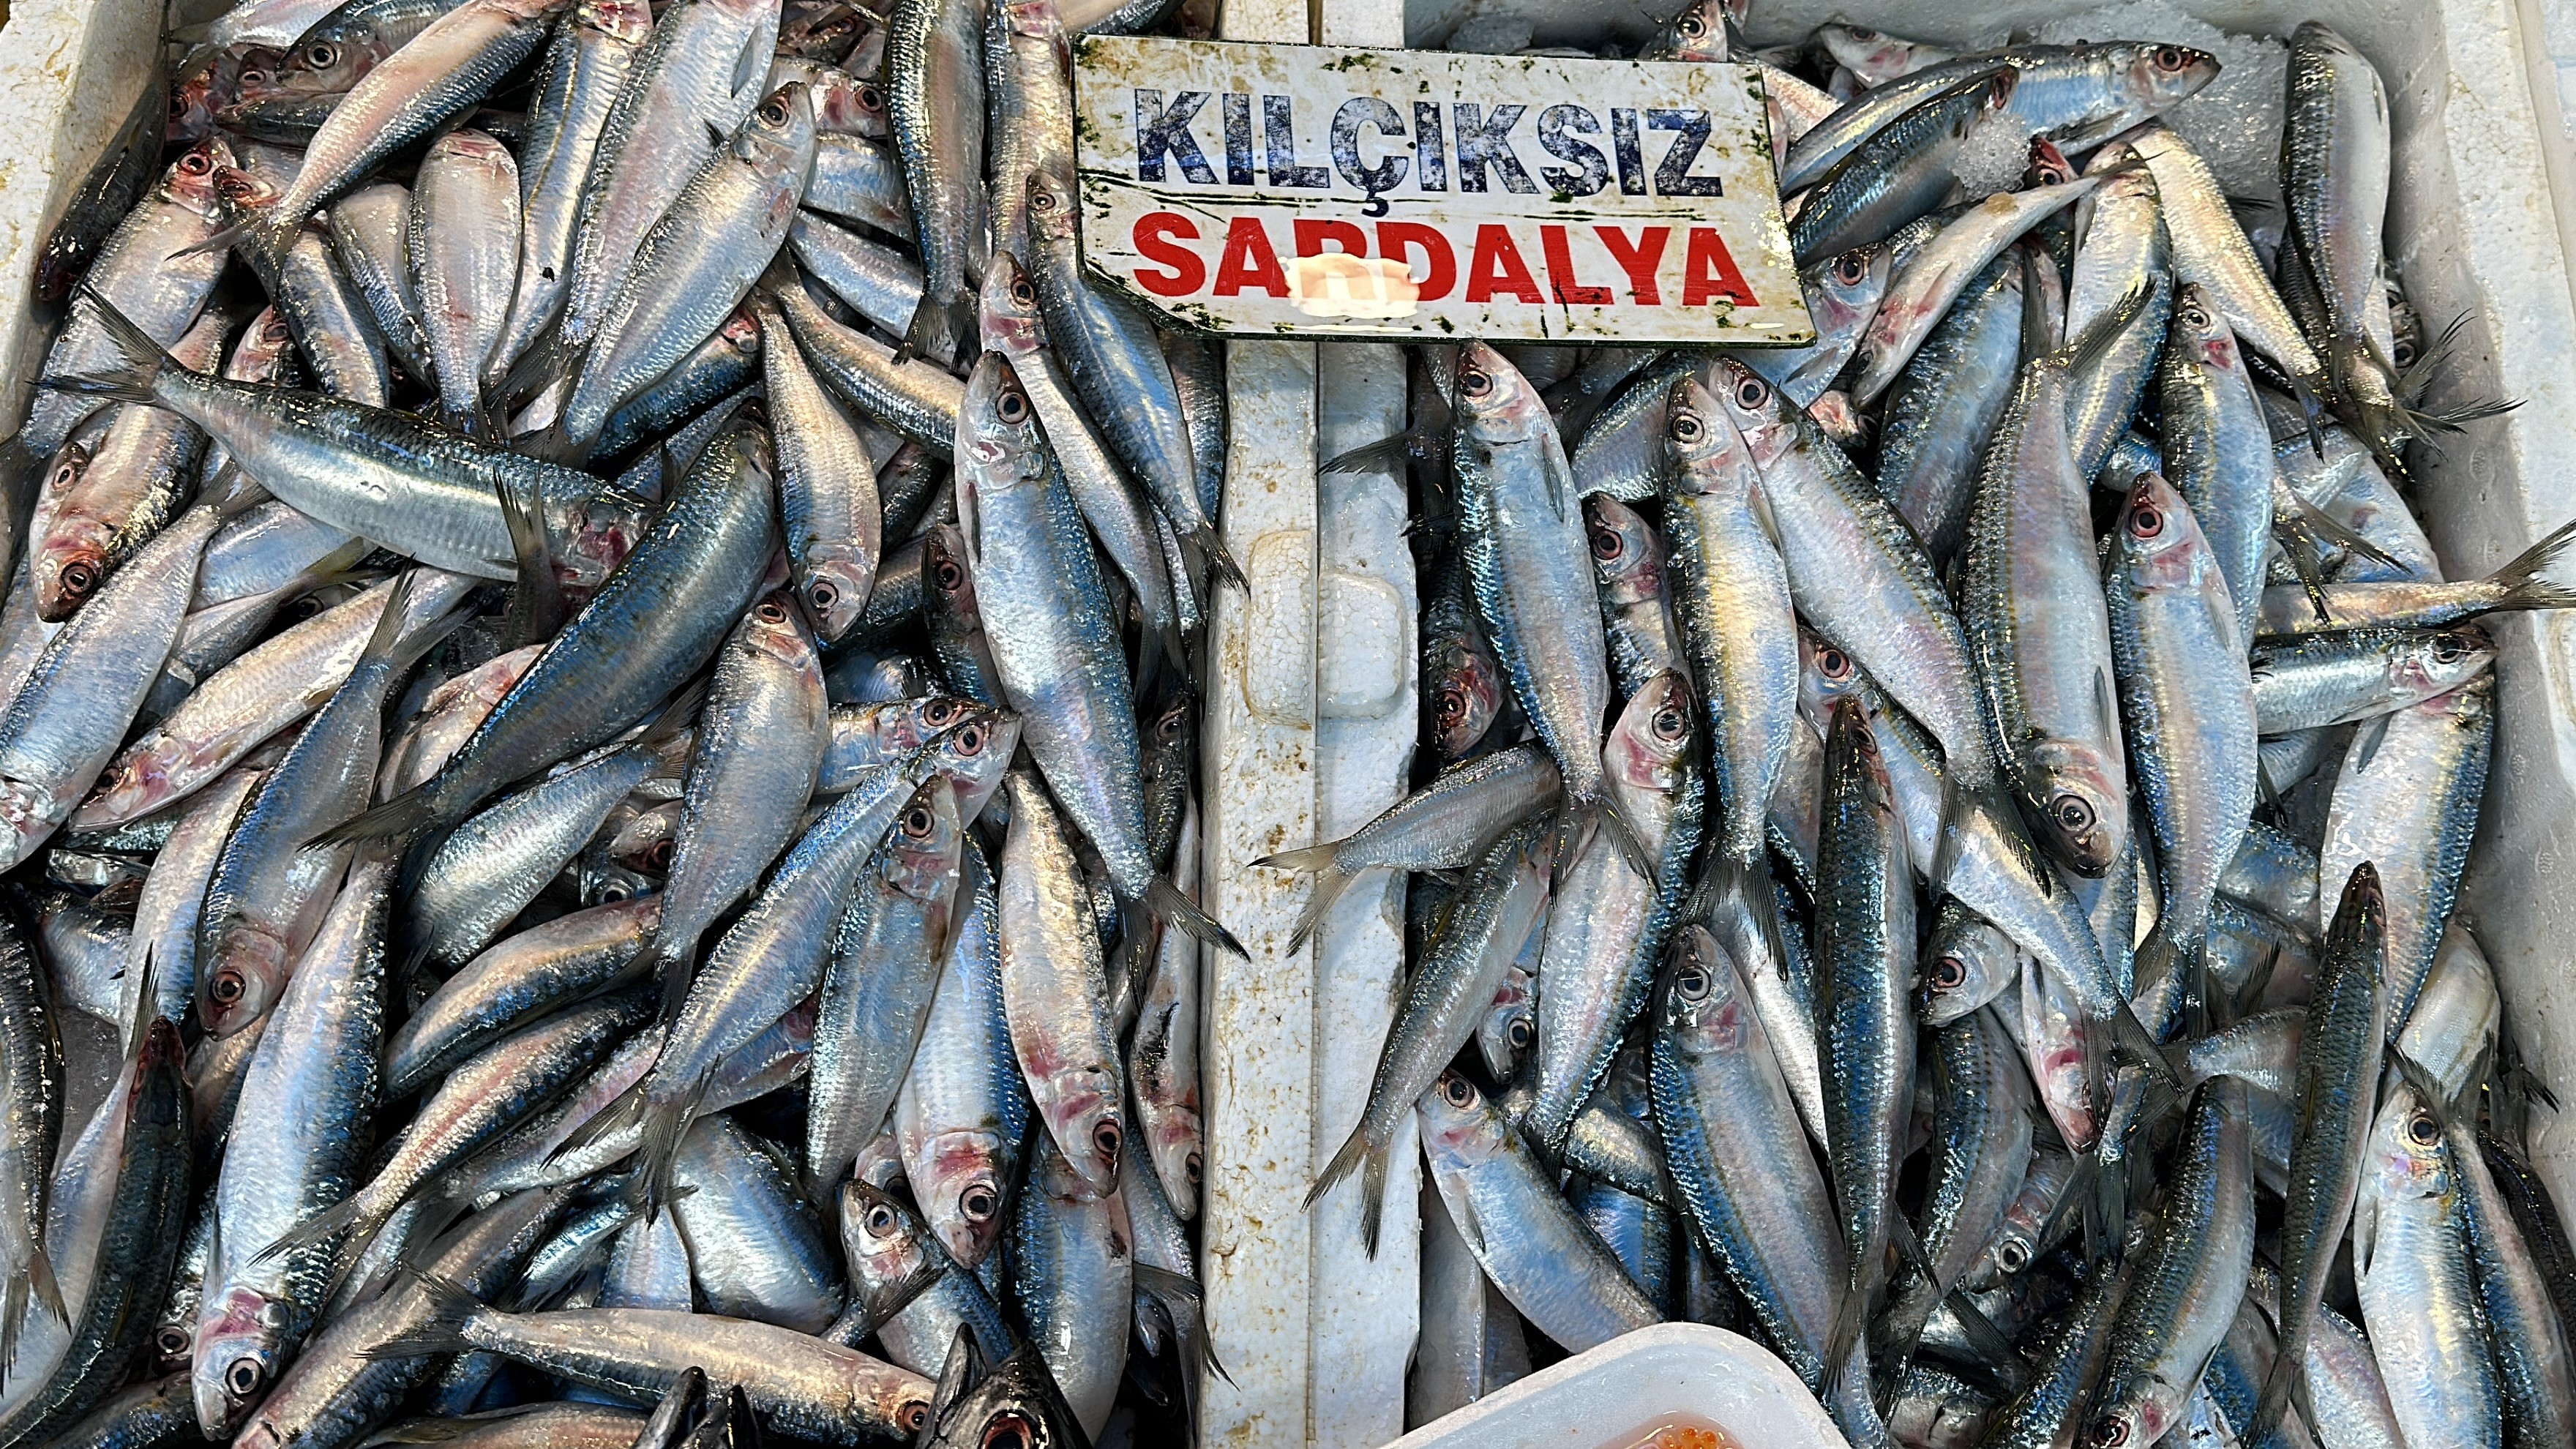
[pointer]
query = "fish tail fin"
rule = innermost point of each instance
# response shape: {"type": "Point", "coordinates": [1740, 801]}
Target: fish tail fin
{"type": "Point", "coordinates": [48, 1289]}
{"type": "Point", "coordinates": [224, 240]}
{"type": "Point", "coordinates": [1180, 1299]}
{"type": "Point", "coordinates": [555, 443]}
{"type": "Point", "coordinates": [452, 1309]}
{"type": "Point", "coordinates": [353, 1214]}
{"type": "Point", "coordinates": [939, 326]}
{"type": "Point", "coordinates": [2273, 1404]}
{"type": "Point", "coordinates": [404, 815]}
{"type": "Point", "coordinates": [1209, 544]}
{"type": "Point", "coordinates": [665, 1123]}
{"type": "Point", "coordinates": [674, 959]}
{"type": "Point", "coordinates": [611, 1119]}
{"type": "Point", "coordinates": [1851, 1318]}
{"type": "Point", "coordinates": [1328, 887]}
{"type": "Point", "coordinates": [2524, 581]}
{"type": "Point", "coordinates": [1386, 454]}
{"type": "Point", "coordinates": [1356, 1149]}
{"type": "Point", "coordinates": [139, 359]}
{"type": "Point", "coordinates": [1172, 907]}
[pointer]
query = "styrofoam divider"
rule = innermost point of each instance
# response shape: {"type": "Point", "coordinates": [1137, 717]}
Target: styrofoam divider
{"type": "Point", "coordinates": [1612, 1396]}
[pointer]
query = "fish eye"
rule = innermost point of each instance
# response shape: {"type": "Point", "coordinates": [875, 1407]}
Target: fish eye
{"type": "Point", "coordinates": [1475, 382]}
{"type": "Point", "coordinates": [1169, 726]}
{"type": "Point", "coordinates": [226, 988]}
{"type": "Point", "coordinates": [321, 55]}
{"type": "Point", "coordinates": [1670, 725]}
{"type": "Point", "coordinates": [1012, 408]}
{"type": "Point", "coordinates": [244, 1377]}
{"type": "Point", "coordinates": [1850, 268]}
{"type": "Point", "coordinates": [1607, 545]}
{"type": "Point", "coordinates": [970, 740]}
{"type": "Point", "coordinates": [915, 1414]}
{"type": "Point", "coordinates": [1863, 36]}
{"type": "Point", "coordinates": [1948, 974]}
{"type": "Point", "coordinates": [1023, 293]}
{"type": "Point", "coordinates": [937, 713]}
{"type": "Point", "coordinates": [1686, 427]}
{"type": "Point", "coordinates": [1453, 707]}
{"type": "Point", "coordinates": [870, 99]}
{"type": "Point", "coordinates": [1751, 392]}
{"type": "Point", "coordinates": [1457, 1091]}
{"type": "Point", "coordinates": [1041, 195]}
{"type": "Point", "coordinates": [2449, 648]}
{"type": "Point", "coordinates": [771, 612]}
{"type": "Point", "coordinates": [773, 112]}
{"type": "Point", "coordinates": [2146, 520]}
{"type": "Point", "coordinates": [196, 163]}
{"type": "Point", "coordinates": [2108, 1433]}
{"type": "Point", "coordinates": [977, 1204]}
{"type": "Point", "coordinates": [880, 1219]}
{"type": "Point", "coordinates": [1191, 1167]}
{"type": "Point", "coordinates": [1690, 26]}
{"type": "Point", "coordinates": [1833, 664]}
{"type": "Point", "coordinates": [822, 595]}
{"type": "Point", "coordinates": [1692, 983]}
{"type": "Point", "coordinates": [2013, 1256]}
{"type": "Point", "coordinates": [2194, 317]}
{"type": "Point", "coordinates": [171, 1341]}
{"type": "Point", "coordinates": [1519, 1033]}
{"type": "Point", "coordinates": [1106, 1139]}
{"type": "Point", "coordinates": [2072, 814]}
{"type": "Point", "coordinates": [2171, 57]}
{"type": "Point", "coordinates": [658, 858]}
{"type": "Point", "coordinates": [2403, 354]}
{"type": "Point", "coordinates": [2422, 1130]}
{"type": "Point", "coordinates": [1008, 1431]}
{"type": "Point", "coordinates": [917, 823]}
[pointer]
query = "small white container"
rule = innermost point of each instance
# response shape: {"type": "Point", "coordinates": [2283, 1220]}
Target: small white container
{"type": "Point", "coordinates": [1615, 1395]}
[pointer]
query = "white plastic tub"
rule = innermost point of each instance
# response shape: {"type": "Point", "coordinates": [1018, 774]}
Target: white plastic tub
{"type": "Point", "coordinates": [1310, 715]}
{"type": "Point", "coordinates": [1615, 1395]}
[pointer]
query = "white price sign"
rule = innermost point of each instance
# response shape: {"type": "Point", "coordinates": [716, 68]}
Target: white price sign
{"type": "Point", "coordinates": [1274, 190]}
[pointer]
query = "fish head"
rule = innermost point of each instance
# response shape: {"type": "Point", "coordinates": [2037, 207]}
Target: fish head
{"type": "Point", "coordinates": [2200, 332]}
{"type": "Point", "coordinates": [1826, 673]}
{"type": "Point", "coordinates": [241, 1343]}
{"type": "Point", "coordinates": [327, 61]}
{"type": "Point", "coordinates": [471, 147]}
{"type": "Point", "coordinates": [887, 1244]}
{"type": "Point", "coordinates": [2440, 662]}
{"type": "Point", "coordinates": [1036, 18]}
{"type": "Point", "coordinates": [646, 843]}
{"type": "Point", "coordinates": [264, 344]}
{"type": "Point", "coordinates": [1462, 681]}
{"type": "Point", "coordinates": [2074, 795]}
{"type": "Point", "coordinates": [28, 814]}
{"type": "Point", "coordinates": [1709, 456]}
{"type": "Point", "coordinates": [923, 852]}
{"type": "Point", "coordinates": [1168, 734]}
{"type": "Point", "coordinates": [192, 180]}
{"type": "Point", "coordinates": [778, 137]}
{"type": "Point", "coordinates": [1873, 56]}
{"type": "Point", "coordinates": [2161, 546]}
{"type": "Point", "coordinates": [959, 1184]}
{"type": "Point", "coordinates": [2048, 165]}
{"type": "Point", "coordinates": [2132, 1414]}
{"type": "Point", "coordinates": [1766, 419]}
{"type": "Point", "coordinates": [69, 465]}
{"type": "Point", "coordinates": [194, 101]}
{"type": "Point", "coordinates": [1626, 556]}
{"type": "Point", "coordinates": [901, 726]}
{"type": "Point", "coordinates": [1007, 308]}
{"type": "Point", "coordinates": [1050, 204]}
{"type": "Point", "coordinates": [1707, 1011]}
{"type": "Point", "coordinates": [1648, 756]}
{"type": "Point", "coordinates": [1507, 1030]}
{"type": "Point", "coordinates": [1496, 404]}
{"type": "Point", "coordinates": [2408, 1157]}
{"type": "Point", "coordinates": [1086, 1130]}
{"type": "Point", "coordinates": [1852, 758]}
{"type": "Point", "coordinates": [773, 630]}
{"type": "Point", "coordinates": [974, 753]}
{"type": "Point", "coordinates": [627, 23]}
{"type": "Point", "coordinates": [241, 194]}
{"type": "Point", "coordinates": [1698, 33]}
{"type": "Point", "coordinates": [1016, 1406]}
{"type": "Point", "coordinates": [1458, 1123]}
{"type": "Point", "coordinates": [816, 30]}
{"type": "Point", "coordinates": [1172, 1140]}
{"type": "Point", "coordinates": [139, 783]}
{"type": "Point", "coordinates": [241, 975]}
{"type": "Point", "coordinates": [952, 584]}
{"type": "Point", "coordinates": [69, 565]}
{"type": "Point", "coordinates": [997, 441]}
{"type": "Point", "coordinates": [1843, 291]}
{"type": "Point", "coordinates": [1967, 964]}
{"type": "Point", "coordinates": [2158, 76]}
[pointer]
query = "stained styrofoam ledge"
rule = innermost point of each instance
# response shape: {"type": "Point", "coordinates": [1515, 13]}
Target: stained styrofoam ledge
{"type": "Point", "coordinates": [1614, 1395]}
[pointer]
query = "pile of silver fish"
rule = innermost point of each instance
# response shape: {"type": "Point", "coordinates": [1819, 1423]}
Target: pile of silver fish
{"type": "Point", "coordinates": [601, 801]}
{"type": "Point", "coordinates": [1937, 849]}
{"type": "Point", "coordinates": [596, 737]}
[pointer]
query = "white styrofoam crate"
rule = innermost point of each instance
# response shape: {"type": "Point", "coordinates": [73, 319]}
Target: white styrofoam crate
{"type": "Point", "coordinates": [1309, 713]}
